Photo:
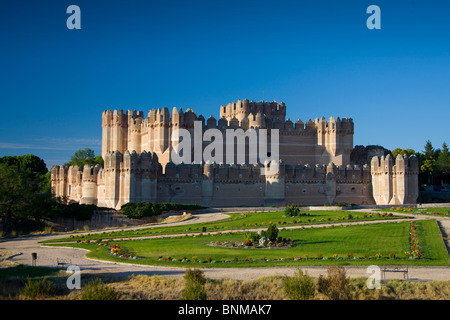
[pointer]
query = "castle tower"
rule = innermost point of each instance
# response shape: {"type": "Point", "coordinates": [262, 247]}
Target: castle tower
{"type": "Point", "coordinates": [112, 161]}
{"type": "Point", "coordinates": [89, 184]}
{"type": "Point", "coordinates": [135, 120]}
{"type": "Point", "coordinates": [394, 184]}
{"type": "Point", "coordinates": [114, 131]}
{"type": "Point", "coordinates": [275, 184]}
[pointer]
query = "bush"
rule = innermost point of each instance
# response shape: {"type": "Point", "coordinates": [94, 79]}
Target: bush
{"type": "Point", "coordinates": [252, 236]}
{"type": "Point", "coordinates": [271, 233]}
{"type": "Point", "coordinates": [77, 211]}
{"type": "Point", "coordinates": [194, 287]}
{"type": "Point", "coordinates": [336, 285]}
{"type": "Point", "coordinates": [96, 290]}
{"type": "Point", "coordinates": [292, 210]}
{"type": "Point", "coordinates": [38, 289]}
{"type": "Point", "coordinates": [300, 286]}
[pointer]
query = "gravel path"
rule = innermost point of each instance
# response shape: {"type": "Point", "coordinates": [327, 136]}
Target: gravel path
{"type": "Point", "coordinates": [46, 256]}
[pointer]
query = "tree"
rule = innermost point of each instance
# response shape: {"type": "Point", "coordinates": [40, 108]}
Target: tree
{"type": "Point", "coordinates": [27, 162]}
{"type": "Point", "coordinates": [86, 156]}
{"type": "Point", "coordinates": [25, 196]}
{"type": "Point", "coordinates": [442, 163]}
{"type": "Point", "coordinates": [403, 152]}
{"type": "Point", "coordinates": [427, 162]}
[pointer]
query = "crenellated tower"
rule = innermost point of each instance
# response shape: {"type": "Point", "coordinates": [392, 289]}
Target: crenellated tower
{"type": "Point", "coordinates": [395, 181]}
{"type": "Point", "coordinates": [313, 166]}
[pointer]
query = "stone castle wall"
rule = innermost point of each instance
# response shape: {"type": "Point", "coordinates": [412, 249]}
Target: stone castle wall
{"type": "Point", "coordinates": [318, 141]}
{"type": "Point", "coordinates": [314, 168]}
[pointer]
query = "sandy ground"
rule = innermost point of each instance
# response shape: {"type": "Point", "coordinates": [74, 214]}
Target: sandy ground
{"type": "Point", "coordinates": [18, 250]}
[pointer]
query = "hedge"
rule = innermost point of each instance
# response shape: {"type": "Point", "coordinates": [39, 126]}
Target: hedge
{"type": "Point", "coordinates": [137, 210]}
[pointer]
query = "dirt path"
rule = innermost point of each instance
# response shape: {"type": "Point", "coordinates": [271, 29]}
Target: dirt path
{"type": "Point", "coordinates": [46, 256]}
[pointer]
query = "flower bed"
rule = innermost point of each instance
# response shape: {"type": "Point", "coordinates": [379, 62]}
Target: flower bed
{"type": "Point", "coordinates": [248, 244]}
{"type": "Point", "coordinates": [413, 242]}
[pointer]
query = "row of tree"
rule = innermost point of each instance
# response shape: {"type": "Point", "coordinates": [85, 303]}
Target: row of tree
{"type": "Point", "coordinates": [434, 164]}
{"type": "Point", "coordinates": [26, 198]}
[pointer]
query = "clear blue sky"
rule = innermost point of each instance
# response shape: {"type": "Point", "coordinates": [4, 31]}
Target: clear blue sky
{"type": "Point", "coordinates": [316, 56]}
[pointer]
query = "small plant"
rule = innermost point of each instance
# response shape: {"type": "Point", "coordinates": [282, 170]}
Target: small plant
{"type": "Point", "coordinates": [38, 289]}
{"type": "Point", "coordinates": [300, 286]}
{"type": "Point", "coordinates": [96, 290]}
{"type": "Point", "coordinates": [292, 210]}
{"type": "Point", "coordinates": [194, 287]}
{"type": "Point", "coordinates": [336, 285]}
{"type": "Point", "coordinates": [271, 233]}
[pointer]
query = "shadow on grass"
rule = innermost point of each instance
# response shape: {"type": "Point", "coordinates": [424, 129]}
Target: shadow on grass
{"type": "Point", "coordinates": [24, 272]}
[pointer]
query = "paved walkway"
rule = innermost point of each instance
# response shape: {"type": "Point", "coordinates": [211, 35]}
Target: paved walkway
{"type": "Point", "coordinates": [46, 256]}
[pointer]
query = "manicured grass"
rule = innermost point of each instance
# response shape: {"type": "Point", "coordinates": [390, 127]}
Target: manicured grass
{"type": "Point", "coordinates": [240, 221]}
{"type": "Point", "coordinates": [435, 211]}
{"type": "Point", "coordinates": [24, 272]}
{"type": "Point", "coordinates": [359, 240]}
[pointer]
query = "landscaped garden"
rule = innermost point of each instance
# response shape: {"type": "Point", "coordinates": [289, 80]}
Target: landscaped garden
{"type": "Point", "coordinates": [241, 221]}
{"type": "Point", "coordinates": [396, 242]}
{"type": "Point", "coordinates": [435, 211]}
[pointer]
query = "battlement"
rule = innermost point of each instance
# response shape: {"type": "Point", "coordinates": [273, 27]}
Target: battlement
{"type": "Point", "coordinates": [388, 165]}
{"type": "Point", "coordinates": [248, 114]}
{"type": "Point", "coordinates": [341, 174]}
{"type": "Point", "coordinates": [344, 126]}
{"type": "Point", "coordinates": [241, 109]}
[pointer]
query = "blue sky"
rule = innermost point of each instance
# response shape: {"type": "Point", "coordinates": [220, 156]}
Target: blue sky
{"type": "Point", "coordinates": [316, 56]}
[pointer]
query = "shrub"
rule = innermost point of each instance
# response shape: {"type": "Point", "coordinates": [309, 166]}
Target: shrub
{"type": "Point", "coordinates": [96, 290]}
{"type": "Point", "coordinates": [300, 286]}
{"type": "Point", "coordinates": [252, 236]}
{"type": "Point", "coordinates": [292, 210]}
{"type": "Point", "coordinates": [75, 210]}
{"type": "Point", "coordinates": [38, 289]}
{"type": "Point", "coordinates": [194, 287]}
{"type": "Point", "coordinates": [271, 233]}
{"type": "Point", "coordinates": [336, 285]}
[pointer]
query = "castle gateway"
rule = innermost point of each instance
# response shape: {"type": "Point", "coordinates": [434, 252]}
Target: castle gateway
{"type": "Point", "coordinates": [313, 168]}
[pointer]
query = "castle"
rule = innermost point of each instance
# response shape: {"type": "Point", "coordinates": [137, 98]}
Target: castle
{"type": "Point", "coordinates": [314, 166]}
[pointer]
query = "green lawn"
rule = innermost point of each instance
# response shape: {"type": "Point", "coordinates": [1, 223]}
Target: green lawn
{"type": "Point", "coordinates": [240, 221]}
{"type": "Point", "coordinates": [435, 211]}
{"type": "Point", "coordinates": [359, 240]}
